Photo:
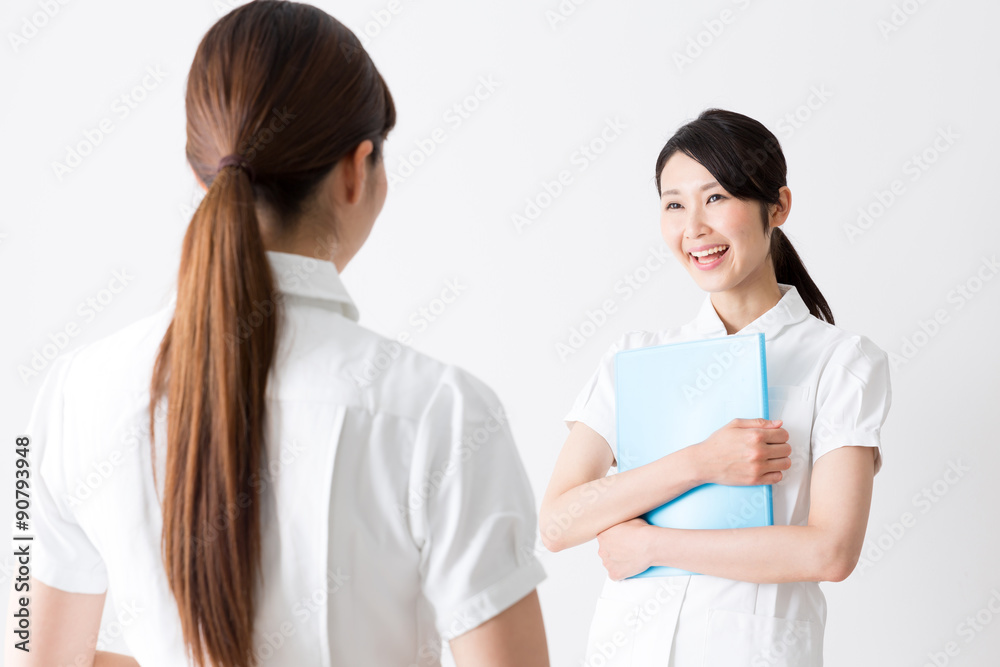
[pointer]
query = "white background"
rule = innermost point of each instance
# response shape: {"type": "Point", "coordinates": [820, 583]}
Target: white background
{"type": "Point", "coordinates": [883, 98]}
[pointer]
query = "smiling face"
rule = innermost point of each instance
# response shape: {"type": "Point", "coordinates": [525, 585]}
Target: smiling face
{"type": "Point", "coordinates": [697, 214]}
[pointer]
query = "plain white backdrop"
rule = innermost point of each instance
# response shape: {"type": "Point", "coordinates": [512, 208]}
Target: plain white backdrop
{"type": "Point", "coordinates": [887, 114]}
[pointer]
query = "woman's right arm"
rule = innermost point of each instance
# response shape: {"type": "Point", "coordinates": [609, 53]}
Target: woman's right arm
{"type": "Point", "coordinates": [582, 500]}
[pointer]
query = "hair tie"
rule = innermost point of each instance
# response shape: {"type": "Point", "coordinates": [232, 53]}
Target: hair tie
{"type": "Point", "coordinates": [236, 160]}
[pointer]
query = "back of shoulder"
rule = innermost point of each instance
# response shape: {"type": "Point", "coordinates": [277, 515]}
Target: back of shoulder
{"type": "Point", "coordinates": [401, 380]}
{"type": "Point", "coordinates": [119, 362]}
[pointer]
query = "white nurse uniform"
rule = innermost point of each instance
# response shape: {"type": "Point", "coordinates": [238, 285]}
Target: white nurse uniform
{"type": "Point", "coordinates": [831, 388]}
{"type": "Point", "coordinates": [396, 512]}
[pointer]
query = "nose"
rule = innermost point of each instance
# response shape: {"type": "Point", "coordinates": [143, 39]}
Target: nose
{"type": "Point", "coordinates": [695, 224]}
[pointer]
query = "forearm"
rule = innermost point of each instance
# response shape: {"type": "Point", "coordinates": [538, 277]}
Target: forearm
{"type": "Point", "coordinates": [763, 555]}
{"type": "Point", "coordinates": [105, 659]}
{"type": "Point", "coordinates": [578, 515]}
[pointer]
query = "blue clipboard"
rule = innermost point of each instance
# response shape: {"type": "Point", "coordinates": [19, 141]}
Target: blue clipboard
{"type": "Point", "coordinates": [670, 396]}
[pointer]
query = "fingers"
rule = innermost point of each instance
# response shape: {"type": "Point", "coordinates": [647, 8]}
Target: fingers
{"type": "Point", "coordinates": [779, 451]}
{"type": "Point", "coordinates": [776, 465]}
{"type": "Point", "coordinates": [774, 435]}
{"type": "Point", "coordinates": [770, 478]}
{"type": "Point", "coordinates": [755, 423]}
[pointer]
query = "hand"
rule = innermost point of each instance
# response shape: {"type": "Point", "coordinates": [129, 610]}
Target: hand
{"type": "Point", "coordinates": [745, 452]}
{"type": "Point", "coordinates": [624, 548]}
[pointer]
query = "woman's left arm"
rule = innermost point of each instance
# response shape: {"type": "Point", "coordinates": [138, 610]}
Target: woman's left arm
{"type": "Point", "coordinates": [827, 549]}
{"type": "Point", "coordinates": [63, 631]}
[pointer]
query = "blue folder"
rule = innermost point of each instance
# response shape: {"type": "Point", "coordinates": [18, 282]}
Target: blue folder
{"type": "Point", "coordinates": [671, 396]}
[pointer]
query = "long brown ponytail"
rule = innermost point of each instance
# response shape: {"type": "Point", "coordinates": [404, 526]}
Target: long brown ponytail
{"type": "Point", "coordinates": [290, 90]}
{"type": "Point", "coordinates": [746, 159]}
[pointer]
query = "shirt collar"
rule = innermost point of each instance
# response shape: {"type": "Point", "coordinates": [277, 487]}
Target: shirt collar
{"type": "Point", "coordinates": [789, 310]}
{"type": "Point", "coordinates": [312, 278]}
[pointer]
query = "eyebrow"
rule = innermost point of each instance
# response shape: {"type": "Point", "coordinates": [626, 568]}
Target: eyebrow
{"type": "Point", "coordinates": [710, 184]}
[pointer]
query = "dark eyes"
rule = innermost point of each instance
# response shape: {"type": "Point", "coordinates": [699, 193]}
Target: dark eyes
{"type": "Point", "coordinates": [709, 199]}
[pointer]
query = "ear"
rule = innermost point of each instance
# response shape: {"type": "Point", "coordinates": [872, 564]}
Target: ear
{"type": "Point", "coordinates": [779, 212]}
{"type": "Point", "coordinates": [356, 172]}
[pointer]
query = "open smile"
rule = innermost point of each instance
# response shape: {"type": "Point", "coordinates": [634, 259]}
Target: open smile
{"type": "Point", "coordinates": [710, 257]}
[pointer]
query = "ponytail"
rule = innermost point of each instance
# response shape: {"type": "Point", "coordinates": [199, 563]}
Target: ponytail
{"type": "Point", "coordinates": [215, 420]}
{"type": "Point", "coordinates": [291, 91]}
{"type": "Point", "coordinates": [790, 270]}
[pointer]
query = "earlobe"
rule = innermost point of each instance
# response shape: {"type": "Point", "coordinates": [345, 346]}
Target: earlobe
{"type": "Point", "coordinates": [360, 175]}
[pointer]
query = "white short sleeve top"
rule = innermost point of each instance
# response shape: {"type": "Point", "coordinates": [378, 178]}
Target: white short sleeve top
{"type": "Point", "coordinates": [396, 511]}
{"type": "Point", "coordinates": [832, 389]}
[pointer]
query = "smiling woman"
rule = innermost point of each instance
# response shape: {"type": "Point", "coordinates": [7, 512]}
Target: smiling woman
{"type": "Point", "coordinates": [723, 196]}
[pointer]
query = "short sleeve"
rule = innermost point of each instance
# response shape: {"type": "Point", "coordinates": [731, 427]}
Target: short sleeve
{"type": "Point", "coordinates": [64, 556]}
{"type": "Point", "coordinates": [852, 399]}
{"type": "Point", "coordinates": [595, 403]}
{"type": "Point", "coordinates": [476, 522]}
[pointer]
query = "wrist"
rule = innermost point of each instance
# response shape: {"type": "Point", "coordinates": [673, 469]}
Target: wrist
{"type": "Point", "coordinates": [655, 544]}
{"type": "Point", "coordinates": [694, 464]}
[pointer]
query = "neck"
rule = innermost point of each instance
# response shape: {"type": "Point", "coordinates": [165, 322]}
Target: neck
{"type": "Point", "coordinates": [742, 304]}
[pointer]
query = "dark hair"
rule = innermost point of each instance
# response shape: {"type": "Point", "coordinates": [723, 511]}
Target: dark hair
{"type": "Point", "coordinates": [746, 160]}
{"type": "Point", "coordinates": [291, 91]}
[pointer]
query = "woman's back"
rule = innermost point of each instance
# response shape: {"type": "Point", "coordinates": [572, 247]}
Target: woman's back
{"type": "Point", "coordinates": [394, 509]}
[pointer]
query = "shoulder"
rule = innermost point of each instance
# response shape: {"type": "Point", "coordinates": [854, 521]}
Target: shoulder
{"type": "Point", "coordinates": [637, 338]}
{"type": "Point", "coordinates": [118, 362]}
{"type": "Point", "coordinates": [837, 349]}
{"type": "Point", "coordinates": [399, 379]}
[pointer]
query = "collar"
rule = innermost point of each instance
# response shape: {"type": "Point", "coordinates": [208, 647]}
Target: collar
{"type": "Point", "coordinates": [789, 310]}
{"type": "Point", "coordinates": [312, 278]}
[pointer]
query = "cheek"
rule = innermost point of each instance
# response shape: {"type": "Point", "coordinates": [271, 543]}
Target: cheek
{"type": "Point", "coordinates": [672, 236]}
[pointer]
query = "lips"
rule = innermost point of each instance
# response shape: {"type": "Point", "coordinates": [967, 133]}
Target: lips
{"type": "Point", "coordinates": [717, 258]}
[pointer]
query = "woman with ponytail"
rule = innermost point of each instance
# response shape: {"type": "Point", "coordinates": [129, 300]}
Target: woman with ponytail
{"type": "Point", "coordinates": [276, 484]}
{"type": "Point", "coordinates": [756, 599]}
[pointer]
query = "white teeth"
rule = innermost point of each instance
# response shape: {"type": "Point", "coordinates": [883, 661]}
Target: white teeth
{"type": "Point", "coordinates": [703, 253]}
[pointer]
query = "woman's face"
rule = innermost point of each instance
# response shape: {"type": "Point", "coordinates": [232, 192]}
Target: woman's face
{"type": "Point", "coordinates": [698, 214]}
